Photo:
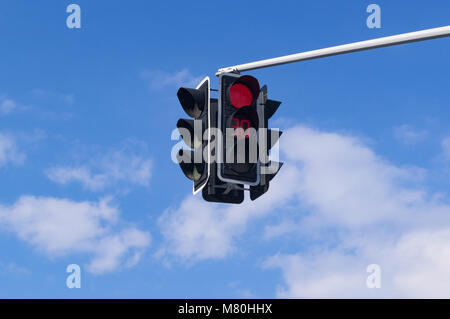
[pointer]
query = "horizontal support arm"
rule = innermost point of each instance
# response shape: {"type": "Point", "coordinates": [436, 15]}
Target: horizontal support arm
{"type": "Point", "coordinates": [342, 49]}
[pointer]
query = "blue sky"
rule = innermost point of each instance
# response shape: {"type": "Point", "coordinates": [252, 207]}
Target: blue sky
{"type": "Point", "coordinates": [86, 177]}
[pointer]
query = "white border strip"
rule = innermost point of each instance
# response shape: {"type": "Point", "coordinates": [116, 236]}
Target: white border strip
{"type": "Point", "coordinates": [209, 135]}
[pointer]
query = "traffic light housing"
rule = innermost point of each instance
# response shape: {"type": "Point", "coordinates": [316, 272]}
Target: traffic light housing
{"type": "Point", "coordinates": [239, 122]}
{"type": "Point", "coordinates": [194, 159]}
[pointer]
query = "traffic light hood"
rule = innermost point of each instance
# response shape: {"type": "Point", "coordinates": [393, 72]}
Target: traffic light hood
{"type": "Point", "coordinates": [192, 101]}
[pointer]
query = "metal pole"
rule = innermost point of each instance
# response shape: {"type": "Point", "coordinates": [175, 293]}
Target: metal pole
{"type": "Point", "coordinates": [342, 49]}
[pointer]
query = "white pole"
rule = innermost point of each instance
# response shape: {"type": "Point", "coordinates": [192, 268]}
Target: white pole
{"type": "Point", "coordinates": [342, 49]}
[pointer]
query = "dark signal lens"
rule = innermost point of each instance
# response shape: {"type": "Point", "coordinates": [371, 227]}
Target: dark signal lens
{"type": "Point", "coordinates": [240, 95]}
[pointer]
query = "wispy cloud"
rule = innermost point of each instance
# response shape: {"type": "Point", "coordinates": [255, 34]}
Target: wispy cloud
{"type": "Point", "coordinates": [9, 105]}
{"type": "Point", "coordinates": [83, 175]}
{"type": "Point", "coordinates": [68, 98]}
{"type": "Point", "coordinates": [59, 227]}
{"type": "Point", "coordinates": [12, 268]}
{"type": "Point", "coordinates": [9, 152]}
{"type": "Point", "coordinates": [446, 148]}
{"type": "Point", "coordinates": [118, 166]}
{"type": "Point", "coordinates": [408, 135]}
{"type": "Point", "coordinates": [159, 80]}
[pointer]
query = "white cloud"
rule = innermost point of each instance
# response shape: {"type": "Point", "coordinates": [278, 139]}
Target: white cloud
{"type": "Point", "coordinates": [193, 232]}
{"type": "Point", "coordinates": [407, 135]}
{"type": "Point", "coordinates": [415, 265]}
{"type": "Point", "coordinates": [329, 274]}
{"type": "Point", "coordinates": [9, 152]}
{"type": "Point", "coordinates": [108, 170]}
{"type": "Point", "coordinates": [340, 176]}
{"type": "Point", "coordinates": [352, 208]}
{"type": "Point", "coordinates": [374, 212]}
{"type": "Point", "coordinates": [160, 79]}
{"type": "Point", "coordinates": [200, 230]}
{"type": "Point", "coordinates": [112, 248]}
{"type": "Point", "coordinates": [61, 227]}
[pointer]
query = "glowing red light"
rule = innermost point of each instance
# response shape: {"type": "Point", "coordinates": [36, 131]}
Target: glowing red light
{"type": "Point", "coordinates": [240, 95]}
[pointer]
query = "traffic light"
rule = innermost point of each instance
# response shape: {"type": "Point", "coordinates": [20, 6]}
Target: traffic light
{"type": "Point", "coordinates": [228, 139]}
{"type": "Point", "coordinates": [239, 123]}
{"type": "Point", "coordinates": [244, 111]}
{"type": "Point", "coordinates": [194, 161]}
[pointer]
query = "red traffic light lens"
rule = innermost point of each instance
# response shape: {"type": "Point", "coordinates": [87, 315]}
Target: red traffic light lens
{"type": "Point", "coordinates": [240, 95]}
{"type": "Point", "coordinates": [244, 91]}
